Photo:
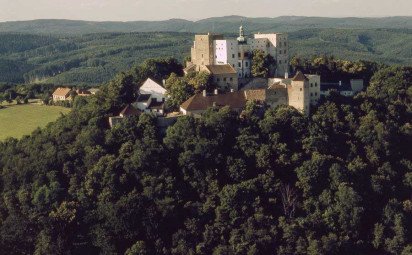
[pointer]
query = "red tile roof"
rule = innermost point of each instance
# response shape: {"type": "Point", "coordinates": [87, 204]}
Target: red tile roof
{"type": "Point", "coordinates": [129, 110]}
{"type": "Point", "coordinates": [221, 69]}
{"type": "Point", "coordinates": [62, 92]}
{"type": "Point", "coordinates": [198, 102]}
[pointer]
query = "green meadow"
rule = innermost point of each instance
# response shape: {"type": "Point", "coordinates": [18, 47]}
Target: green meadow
{"type": "Point", "coordinates": [19, 120]}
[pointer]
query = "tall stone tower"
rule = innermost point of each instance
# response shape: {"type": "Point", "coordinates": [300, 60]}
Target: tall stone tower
{"type": "Point", "coordinates": [298, 93]}
{"type": "Point", "coordinates": [202, 52]}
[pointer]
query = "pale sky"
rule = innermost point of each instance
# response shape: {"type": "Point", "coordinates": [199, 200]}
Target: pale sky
{"type": "Point", "coordinates": [132, 10]}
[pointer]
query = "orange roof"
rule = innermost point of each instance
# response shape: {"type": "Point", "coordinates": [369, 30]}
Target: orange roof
{"type": "Point", "coordinates": [255, 94]}
{"type": "Point", "coordinates": [221, 69]}
{"type": "Point", "coordinates": [198, 102]}
{"type": "Point", "coordinates": [62, 92]}
{"type": "Point", "coordinates": [129, 110]}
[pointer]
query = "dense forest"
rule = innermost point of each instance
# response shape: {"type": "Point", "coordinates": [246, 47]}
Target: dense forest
{"type": "Point", "coordinates": [92, 59]}
{"type": "Point", "coordinates": [270, 181]}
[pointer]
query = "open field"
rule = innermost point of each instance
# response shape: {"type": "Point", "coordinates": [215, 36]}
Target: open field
{"type": "Point", "coordinates": [19, 120]}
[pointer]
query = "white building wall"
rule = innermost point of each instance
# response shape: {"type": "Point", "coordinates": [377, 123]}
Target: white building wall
{"type": "Point", "coordinates": [142, 105]}
{"type": "Point", "coordinates": [151, 87]}
{"type": "Point", "coordinates": [226, 52]}
{"type": "Point", "coordinates": [279, 49]}
{"type": "Point", "coordinates": [314, 88]}
{"type": "Point", "coordinates": [259, 44]}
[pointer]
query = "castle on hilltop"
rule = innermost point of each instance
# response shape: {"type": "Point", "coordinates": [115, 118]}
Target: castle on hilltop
{"type": "Point", "coordinates": [212, 49]}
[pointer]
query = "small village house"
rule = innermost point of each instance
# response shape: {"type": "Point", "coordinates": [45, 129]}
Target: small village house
{"type": "Point", "coordinates": [61, 94]}
{"type": "Point", "coordinates": [152, 98]}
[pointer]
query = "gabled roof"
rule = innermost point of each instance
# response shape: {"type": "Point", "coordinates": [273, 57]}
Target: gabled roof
{"type": "Point", "coordinates": [221, 69]}
{"type": "Point", "coordinates": [277, 86]}
{"type": "Point", "coordinates": [149, 81]}
{"type": "Point", "coordinates": [255, 94]}
{"type": "Point", "coordinates": [83, 92]}
{"type": "Point", "coordinates": [198, 102]}
{"type": "Point", "coordinates": [129, 110]}
{"type": "Point", "coordinates": [62, 92]}
{"type": "Point", "coordinates": [299, 77]}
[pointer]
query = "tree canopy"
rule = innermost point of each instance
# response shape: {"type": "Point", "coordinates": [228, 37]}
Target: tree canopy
{"type": "Point", "coordinates": [270, 181]}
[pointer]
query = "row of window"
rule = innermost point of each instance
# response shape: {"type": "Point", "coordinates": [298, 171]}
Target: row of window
{"type": "Point", "coordinates": [224, 79]}
{"type": "Point", "coordinates": [316, 94]}
{"type": "Point", "coordinates": [316, 84]}
{"type": "Point", "coordinates": [240, 64]}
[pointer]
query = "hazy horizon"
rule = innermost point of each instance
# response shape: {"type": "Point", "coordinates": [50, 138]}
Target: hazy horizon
{"type": "Point", "coordinates": [159, 10]}
{"type": "Point", "coordinates": [343, 17]}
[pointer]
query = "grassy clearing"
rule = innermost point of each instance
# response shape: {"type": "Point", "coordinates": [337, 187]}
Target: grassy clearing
{"type": "Point", "coordinates": [19, 120]}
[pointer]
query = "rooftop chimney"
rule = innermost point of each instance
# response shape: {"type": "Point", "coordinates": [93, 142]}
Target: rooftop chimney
{"type": "Point", "coordinates": [164, 82]}
{"type": "Point", "coordinates": [232, 90]}
{"type": "Point", "coordinates": [286, 75]}
{"type": "Point", "coordinates": [340, 83]}
{"type": "Point", "coordinates": [204, 93]}
{"type": "Point", "coordinates": [216, 92]}
{"type": "Point", "coordinates": [214, 104]}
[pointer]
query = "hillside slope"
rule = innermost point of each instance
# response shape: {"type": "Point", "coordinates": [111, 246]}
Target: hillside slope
{"type": "Point", "coordinates": [226, 24]}
{"type": "Point", "coordinates": [93, 59]}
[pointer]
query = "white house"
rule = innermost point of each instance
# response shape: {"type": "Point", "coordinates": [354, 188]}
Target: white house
{"type": "Point", "coordinates": [157, 91]}
{"type": "Point", "coordinates": [152, 97]}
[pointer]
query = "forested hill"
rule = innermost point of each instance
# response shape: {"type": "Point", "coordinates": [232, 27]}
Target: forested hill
{"type": "Point", "coordinates": [94, 58]}
{"type": "Point", "coordinates": [266, 182]}
{"type": "Point", "coordinates": [227, 24]}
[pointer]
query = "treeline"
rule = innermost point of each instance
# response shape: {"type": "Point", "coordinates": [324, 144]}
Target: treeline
{"type": "Point", "coordinates": [265, 182]}
{"type": "Point", "coordinates": [333, 70]}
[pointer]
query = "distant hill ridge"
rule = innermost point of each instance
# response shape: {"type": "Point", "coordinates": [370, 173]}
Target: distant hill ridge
{"type": "Point", "coordinates": [227, 24]}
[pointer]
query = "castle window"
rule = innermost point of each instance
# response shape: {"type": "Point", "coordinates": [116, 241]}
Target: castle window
{"type": "Point", "coordinates": [224, 79]}
{"type": "Point", "coordinates": [316, 84]}
{"type": "Point", "coordinates": [231, 78]}
{"type": "Point", "coordinates": [217, 79]}
{"type": "Point", "coordinates": [280, 61]}
{"type": "Point", "coordinates": [311, 94]}
{"type": "Point", "coordinates": [316, 93]}
{"type": "Point", "coordinates": [284, 51]}
{"type": "Point", "coordinates": [233, 55]}
{"type": "Point", "coordinates": [300, 89]}
{"type": "Point", "coordinates": [311, 85]}
{"type": "Point", "coordinates": [238, 54]}
{"type": "Point", "coordinates": [240, 65]}
{"type": "Point", "coordinates": [246, 64]}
